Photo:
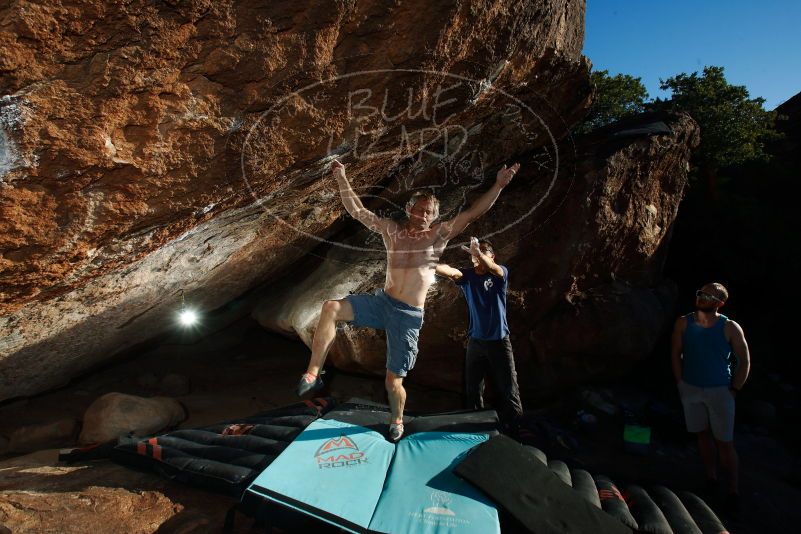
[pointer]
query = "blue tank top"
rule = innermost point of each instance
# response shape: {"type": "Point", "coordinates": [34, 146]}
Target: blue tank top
{"type": "Point", "coordinates": [707, 356]}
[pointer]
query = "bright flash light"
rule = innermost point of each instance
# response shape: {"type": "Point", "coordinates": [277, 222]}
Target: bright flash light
{"type": "Point", "coordinates": [188, 317]}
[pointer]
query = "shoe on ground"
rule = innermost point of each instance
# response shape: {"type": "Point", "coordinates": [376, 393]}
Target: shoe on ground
{"type": "Point", "coordinates": [395, 431]}
{"type": "Point", "coordinates": [308, 384]}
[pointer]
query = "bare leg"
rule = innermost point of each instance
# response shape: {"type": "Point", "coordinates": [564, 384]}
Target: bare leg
{"type": "Point", "coordinates": [397, 396]}
{"type": "Point", "coordinates": [730, 463]}
{"type": "Point", "coordinates": [332, 311]}
{"type": "Point", "coordinates": [706, 446]}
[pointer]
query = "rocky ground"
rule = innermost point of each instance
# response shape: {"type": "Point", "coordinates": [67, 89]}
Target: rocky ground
{"type": "Point", "coordinates": [244, 370]}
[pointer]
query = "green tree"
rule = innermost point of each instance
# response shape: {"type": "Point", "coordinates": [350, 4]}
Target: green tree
{"type": "Point", "coordinates": [615, 97]}
{"type": "Point", "coordinates": [734, 127]}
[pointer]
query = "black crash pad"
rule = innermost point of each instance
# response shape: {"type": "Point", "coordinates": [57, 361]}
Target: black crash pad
{"type": "Point", "coordinates": [517, 481]}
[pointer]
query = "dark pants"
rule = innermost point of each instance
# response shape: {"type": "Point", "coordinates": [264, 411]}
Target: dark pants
{"type": "Point", "coordinates": [493, 358]}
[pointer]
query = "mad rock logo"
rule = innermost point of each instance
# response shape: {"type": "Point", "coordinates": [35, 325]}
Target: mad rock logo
{"type": "Point", "coordinates": [339, 452]}
{"type": "Point", "coordinates": [487, 284]}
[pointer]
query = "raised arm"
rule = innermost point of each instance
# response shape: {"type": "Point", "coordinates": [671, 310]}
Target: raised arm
{"type": "Point", "coordinates": [484, 259]}
{"type": "Point", "coordinates": [676, 347]}
{"type": "Point", "coordinates": [740, 349]}
{"type": "Point", "coordinates": [448, 272]}
{"type": "Point", "coordinates": [353, 205]}
{"type": "Point", "coordinates": [450, 229]}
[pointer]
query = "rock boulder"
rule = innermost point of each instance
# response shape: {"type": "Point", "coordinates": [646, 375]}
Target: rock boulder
{"type": "Point", "coordinates": [117, 414]}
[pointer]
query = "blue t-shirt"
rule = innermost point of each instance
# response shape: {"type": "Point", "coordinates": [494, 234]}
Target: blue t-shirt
{"type": "Point", "coordinates": [486, 303]}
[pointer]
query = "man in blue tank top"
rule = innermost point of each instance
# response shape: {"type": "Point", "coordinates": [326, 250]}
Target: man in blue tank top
{"type": "Point", "coordinates": [489, 350]}
{"type": "Point", "coordinates": [706, 345]}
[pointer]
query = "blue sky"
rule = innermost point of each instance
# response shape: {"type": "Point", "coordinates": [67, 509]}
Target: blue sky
{"type": "Point", "coordinates": [758, 43]}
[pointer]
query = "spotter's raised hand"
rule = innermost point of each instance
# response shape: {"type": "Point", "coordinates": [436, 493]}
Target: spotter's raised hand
{"type": "Point", "coordinates": [473, 249]}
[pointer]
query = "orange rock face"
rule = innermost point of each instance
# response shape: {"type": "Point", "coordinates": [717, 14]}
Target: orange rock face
{"type": "Point", "coordinates": [150, 148]}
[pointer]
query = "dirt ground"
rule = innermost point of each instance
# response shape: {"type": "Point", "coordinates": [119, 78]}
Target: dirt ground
{"type": "Point", "coordinates": [244, 370]}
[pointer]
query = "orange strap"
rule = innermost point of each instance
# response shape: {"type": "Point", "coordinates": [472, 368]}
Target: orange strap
{"type": "Point", "coordinates": [155, 448]}
{"type": "Point", "coordinates": [613, 493]}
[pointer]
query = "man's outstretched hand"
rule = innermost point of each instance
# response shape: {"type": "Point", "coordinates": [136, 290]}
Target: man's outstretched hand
{"type": "Point", "coordinates": [506, 174]}
{"type": "Point", "coordinates": [337, 169]}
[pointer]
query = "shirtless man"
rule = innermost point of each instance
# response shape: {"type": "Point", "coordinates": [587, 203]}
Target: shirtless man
{"type": "Point", "coordinates": [413, 249]}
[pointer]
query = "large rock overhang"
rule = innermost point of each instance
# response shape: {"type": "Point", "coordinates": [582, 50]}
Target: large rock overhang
{"type": "Point", "coordinates": [140, 160]}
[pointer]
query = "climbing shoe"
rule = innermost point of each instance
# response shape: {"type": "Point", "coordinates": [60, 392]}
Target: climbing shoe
{"type": "Point", "coordinates": [395, 431]}
{"type": "Point", "coordinates": [308, 383]}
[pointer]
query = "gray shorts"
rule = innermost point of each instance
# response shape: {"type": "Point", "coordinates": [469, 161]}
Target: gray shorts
{"type": "Point", "coordinates": [400, 321]}
{"type": "Point", "coordinates": [705, 407]}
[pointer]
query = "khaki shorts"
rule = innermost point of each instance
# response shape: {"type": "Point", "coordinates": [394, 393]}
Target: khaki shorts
{"type": "Point", "coordinates": [705, 407]}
